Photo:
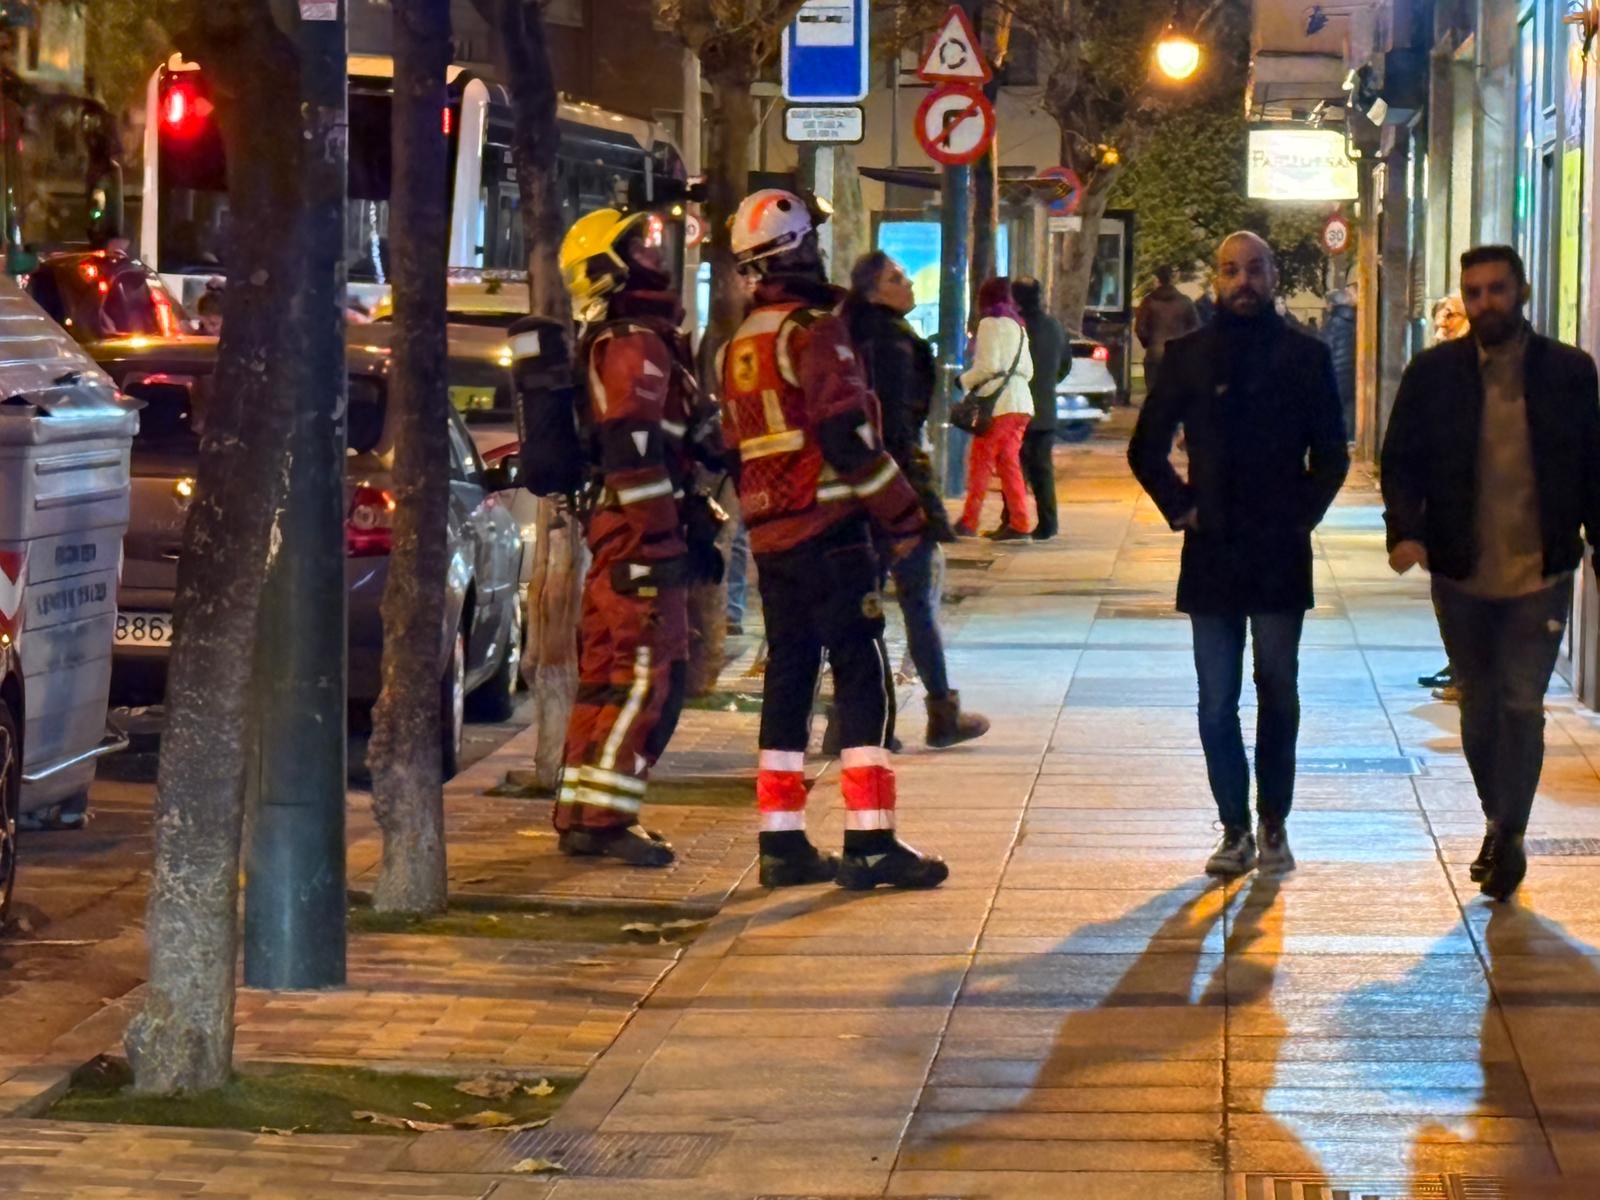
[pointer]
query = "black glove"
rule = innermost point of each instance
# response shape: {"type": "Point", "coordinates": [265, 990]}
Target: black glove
{"type": "Point", "coordinates": [706, 564]}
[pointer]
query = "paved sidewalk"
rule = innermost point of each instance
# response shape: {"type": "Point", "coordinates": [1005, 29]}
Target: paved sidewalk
{"type": "Point", "coordinates": [1079, 1013]}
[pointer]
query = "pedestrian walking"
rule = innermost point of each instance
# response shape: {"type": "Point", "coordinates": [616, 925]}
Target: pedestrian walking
{"type": "Point", "coordinates": [642, 413]}
{"type": "Point", "coordinates": [1491, 482]}
{"type": "Point", "coordinates": [1052, 359]}
{"type": "Point", "coordinates": [900, 369]}
{"type": "Point", "coordinates": [1339, 332]}
{"type": "Point", "coordinates": [815, 485]}
{"type": "Point", "coordinates": [1267, 455]}
{"type": "Point", "coordinates": [1163, 315]}
{"type": "Point", "coordinates": [999, 375]}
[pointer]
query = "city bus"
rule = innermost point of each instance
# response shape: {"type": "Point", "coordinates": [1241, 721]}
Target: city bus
{"type": "Point", "coordinates": [60, 172]}
{"type": "Point", "coordinates": [605, 158]}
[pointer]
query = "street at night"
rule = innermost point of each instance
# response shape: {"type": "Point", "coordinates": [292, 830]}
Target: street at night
{"type": "Point", "coordinates": [797, 599]}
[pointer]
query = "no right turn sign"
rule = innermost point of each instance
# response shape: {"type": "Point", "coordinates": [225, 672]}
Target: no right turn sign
{"type": "Point", "coordinates": [955, 125]}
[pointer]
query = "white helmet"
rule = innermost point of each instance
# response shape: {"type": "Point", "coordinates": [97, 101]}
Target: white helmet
{"type": "Point", "coordinates": [770, 222]}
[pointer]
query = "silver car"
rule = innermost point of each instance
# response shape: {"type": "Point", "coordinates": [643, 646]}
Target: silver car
{"type": "Point", "coordinates": [480, 640]}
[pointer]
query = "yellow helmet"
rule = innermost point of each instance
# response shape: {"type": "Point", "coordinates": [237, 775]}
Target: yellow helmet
{"type": "Point", "coordinates": [589, 258]}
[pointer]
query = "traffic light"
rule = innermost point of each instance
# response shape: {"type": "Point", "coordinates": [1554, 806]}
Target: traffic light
{"type": "Point", "coordinates": [185, 108]}
{"type": "Point", "coordinates": [190, 143]}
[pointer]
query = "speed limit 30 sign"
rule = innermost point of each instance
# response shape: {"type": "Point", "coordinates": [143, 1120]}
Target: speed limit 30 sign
{"type": "Point", "coordinates": [955, 124]}
{"type": "Point", "coordinates": [1336, 234]}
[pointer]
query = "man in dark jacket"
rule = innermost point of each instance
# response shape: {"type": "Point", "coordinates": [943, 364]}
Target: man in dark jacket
{"type": "Point", "coordinates": [1491, 471]}
{"type": "Point", "coordinates": [1267, 455]}
{"type": "Point", "coordinates": [900, 370]}
{"type": "Point", "coordinates": [1051, 360]}
{"type": "Point", "coordinates": [1163, 315]}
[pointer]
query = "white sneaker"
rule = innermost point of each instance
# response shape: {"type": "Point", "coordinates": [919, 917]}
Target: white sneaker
{"type": "Point", "coordinates": [1235, 854]}
{"type": "Point", "coordinates": [1276, 857]}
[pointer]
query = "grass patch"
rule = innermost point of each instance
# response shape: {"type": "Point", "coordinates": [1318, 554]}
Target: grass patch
{"type": "Point", "coordinates": [635, 926]}
{"type": "Point", "coordinates": [301, 1099]}
{"type": "Point", "coordinates": [740, 702]}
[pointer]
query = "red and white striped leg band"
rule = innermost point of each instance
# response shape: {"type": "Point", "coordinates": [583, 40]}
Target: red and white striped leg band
{"type": "Point", "coordinates": [781, 791]}
{"type": "Point", "coordinates": [869, 788]}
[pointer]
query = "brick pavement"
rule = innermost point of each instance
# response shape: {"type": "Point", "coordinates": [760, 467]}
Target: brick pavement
{"type": "Point", "coordinates": [1079, 1013]}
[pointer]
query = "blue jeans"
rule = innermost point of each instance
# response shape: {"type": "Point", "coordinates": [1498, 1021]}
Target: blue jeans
{"type": "Point", "coordinates": [916, 583]}
{"type": "Point", "coordinates": [738, 572]}
{"type": "Point", "coordinates": [1219, 663]}
{"type": "Point", "coordinates": [1503, 652]}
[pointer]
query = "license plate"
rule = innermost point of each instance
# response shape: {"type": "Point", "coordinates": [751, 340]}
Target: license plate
{"type": "Point", "coordinates": [144, 629]}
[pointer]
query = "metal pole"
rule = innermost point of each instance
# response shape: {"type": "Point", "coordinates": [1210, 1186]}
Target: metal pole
{"type": "Point", "coordinates": [954, 250]}
{"type": "Point", "coordinates": [295, 886]}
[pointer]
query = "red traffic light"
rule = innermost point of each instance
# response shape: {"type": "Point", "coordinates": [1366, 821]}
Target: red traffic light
{"type": "Point", "coordinates": [185, 110]}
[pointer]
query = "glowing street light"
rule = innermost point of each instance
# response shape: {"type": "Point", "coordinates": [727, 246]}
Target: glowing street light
{"type": "Point", "coordinates": [1178, 55]}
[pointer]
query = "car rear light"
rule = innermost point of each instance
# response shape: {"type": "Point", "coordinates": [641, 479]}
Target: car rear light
{"type": "Point", "coordinates": [1101, 354]}
{"type": "Point", "coordinates": [369, 529]}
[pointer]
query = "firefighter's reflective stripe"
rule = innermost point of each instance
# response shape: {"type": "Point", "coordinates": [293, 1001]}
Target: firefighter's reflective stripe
{"type": "Point", "coordinates": [773, 407]}
{"type": "Point", "coordinates": [882, 478]}
{"type": "Point", "coordinates": [630, 710]}
{"type": "Point", "coordinates": [783, 822]}
{"type": "Point", "coordinates": [676, 428]}
{"type": "Point", "coordinates": [612, 779]}
{"type": "Point", "coordinates": [569, 786]}
{"type": "Point", "coordinates": [782, 760]}
{"type": "Point", "coordinates": [787, 441]}
{"type": "Point", "coordinates": [786, 369]}
{"type": "Point", "coordinates": [834, 491]}
{"type": "Point", "coordinates": [645, 491]}
{"type": "Point", "coordinates": [869, 818]}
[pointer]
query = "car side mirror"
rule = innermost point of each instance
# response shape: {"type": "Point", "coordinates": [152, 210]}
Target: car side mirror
{"type": "Point", "coordinates": [502, 477]}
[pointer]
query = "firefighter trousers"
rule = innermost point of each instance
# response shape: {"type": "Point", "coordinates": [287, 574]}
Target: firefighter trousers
{"type": "Point", "coordinates": [823, 596]}
{"type": "Point", "coordinates": [633, 655]}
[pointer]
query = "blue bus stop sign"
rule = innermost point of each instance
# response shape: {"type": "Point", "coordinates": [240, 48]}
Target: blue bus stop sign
{"type": "Point", "coordinates": [825, 53]}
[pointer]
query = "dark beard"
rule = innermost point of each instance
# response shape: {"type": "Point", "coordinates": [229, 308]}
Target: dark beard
{"type": "Point", "coordinates": [1497, 330]}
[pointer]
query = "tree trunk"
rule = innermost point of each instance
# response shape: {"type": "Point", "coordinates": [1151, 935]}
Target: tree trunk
{"type": "Point", "coordinates": [851, 222]}
{"type": "Point", "coordinates": [182, 1038]}
{"type": "Point", "coordinates": [731, 126]}
{"type": "Point", "coordinates": [550, 664]}
{"type": "Point", "coordinates": [1075, 257]}
{"type": "Point", "coordinates": [407, 781]}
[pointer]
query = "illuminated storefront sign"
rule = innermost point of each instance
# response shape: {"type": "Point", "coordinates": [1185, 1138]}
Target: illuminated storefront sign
{"type": "Point", "coordinates": [1307, 165]}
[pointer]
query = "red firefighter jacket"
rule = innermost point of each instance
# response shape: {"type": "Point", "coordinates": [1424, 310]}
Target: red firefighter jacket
{"type": "Point", "coordinates": [803, 425]}
{"type": "Point", "coordinates": [641, 404]}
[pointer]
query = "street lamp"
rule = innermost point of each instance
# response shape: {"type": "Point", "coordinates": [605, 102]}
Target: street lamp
{"type": "Point", "coordinates": [1178, 55]}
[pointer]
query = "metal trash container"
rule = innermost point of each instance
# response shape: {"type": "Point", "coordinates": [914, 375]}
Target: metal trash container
{"type": "Point", "coordinates": [65, 437]}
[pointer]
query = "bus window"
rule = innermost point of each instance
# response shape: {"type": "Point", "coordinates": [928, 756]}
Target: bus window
{"type": "Point", "coordinates": [192, 195]}
{"type": "Point", "coordinates": [63, 183]}
{"type": "Point", "coordinates": [499, 202]}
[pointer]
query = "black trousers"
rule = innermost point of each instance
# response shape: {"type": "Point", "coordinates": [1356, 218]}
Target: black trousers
{"type": "Point", "coordinates": [823, 595]}
{"type": "Point", "coordinates": [1039, 466]}
{"type": "Point", "coordinates": [1503, 652]}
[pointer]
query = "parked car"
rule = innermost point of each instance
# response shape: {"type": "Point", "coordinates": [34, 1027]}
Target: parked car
{"type": "Point", "coordinates": [522, 504]}
{"type": "Point", "coordinates": [99, 294]}
{"type": "Point", "coordinates": [11, 722]}
{"type": "Point", "coordinates": [480, 641]}
{"type": "Point", "coordinates": [1090, 375]}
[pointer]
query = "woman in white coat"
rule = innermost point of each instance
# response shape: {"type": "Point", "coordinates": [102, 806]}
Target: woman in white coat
{"type": "Point", "coordinates": [1002, 366]}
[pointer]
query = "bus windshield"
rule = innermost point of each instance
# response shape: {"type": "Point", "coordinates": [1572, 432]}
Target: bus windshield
{"type": "Point", "coordinates": [192, 200]}
{"type": "Point", "coordinates": [61, 175]}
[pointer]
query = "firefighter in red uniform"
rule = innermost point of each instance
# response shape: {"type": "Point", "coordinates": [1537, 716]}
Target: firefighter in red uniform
{"type": "Point", "coordinates": [815, 482]}
{"type": "Point", "coordinates": [641, 415]}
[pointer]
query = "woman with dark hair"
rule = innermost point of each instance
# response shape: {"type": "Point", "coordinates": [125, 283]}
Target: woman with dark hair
{"type": "Point", "coordinates": [900, 369]}
{"type": "Point", "coordinates": [1001, 370]}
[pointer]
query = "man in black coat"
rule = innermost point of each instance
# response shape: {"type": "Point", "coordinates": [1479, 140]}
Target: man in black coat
{"type": "Point", "coordinates": [1491, 474]}
{"type": "Point", "coordinates": [1047, 341]}
{"type": "Point", "coordinates": [1267, 455]}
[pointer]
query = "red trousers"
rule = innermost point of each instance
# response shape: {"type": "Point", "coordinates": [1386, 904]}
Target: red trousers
{"type": "Point", "coordinates": [998, 450]}
{"type": "Point", "coordinates": [634, 648]}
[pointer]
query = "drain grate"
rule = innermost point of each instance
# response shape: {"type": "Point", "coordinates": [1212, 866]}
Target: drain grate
{"type": "Point", "coordinates": [1418, 1187]}
{"type": "Point", "coordinates": [1572, 847]}
{"type": "Point", "coordinates": [1360, 766]}
{"type": "Point", "coordinates": [607, 1155]}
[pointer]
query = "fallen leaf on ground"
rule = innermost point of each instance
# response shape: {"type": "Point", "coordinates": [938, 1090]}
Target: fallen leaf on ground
{"type": "Point", "coordinates": [427, 1126]}
{"type": "Point", "coordinates": [487, 1119]}
{"type": "Point", "coordinates": [587, 962]}
{"type": "Point", "coordinates": [536, 1166]}
{"type": "Point", "coordinates": [663, 927]}
{"type": "Point", "coordinates": [488, 1086]}
{"type": "Point", "coordinates": [377, 1118]}
{"type": "Point", "coordinates": [268, 1129]}
{"type": "Point", "coordinates": [523, 1126]}
{"type": "Point", "coordinates": [422, 1106]}
{"type": "Point", "coordinates": [543, 1088]}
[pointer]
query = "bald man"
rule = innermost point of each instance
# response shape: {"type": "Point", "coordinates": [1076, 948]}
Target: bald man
{"type": "Point", "coordinates": [1259, 406]}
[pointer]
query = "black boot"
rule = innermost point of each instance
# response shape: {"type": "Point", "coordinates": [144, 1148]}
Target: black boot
{"type": "Point", "coordinates": [1484, 863]}
{"type": "Point", "coordinates": [796, 870]}
{"type": "Point", "coordinates": [948, 725]}
{"type": "Point", "coordinates": [630, 844]}
{"type": "Point", "coordinates": [890, 863]}
{"type": "Point", "coordinates": [1506, 872]}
